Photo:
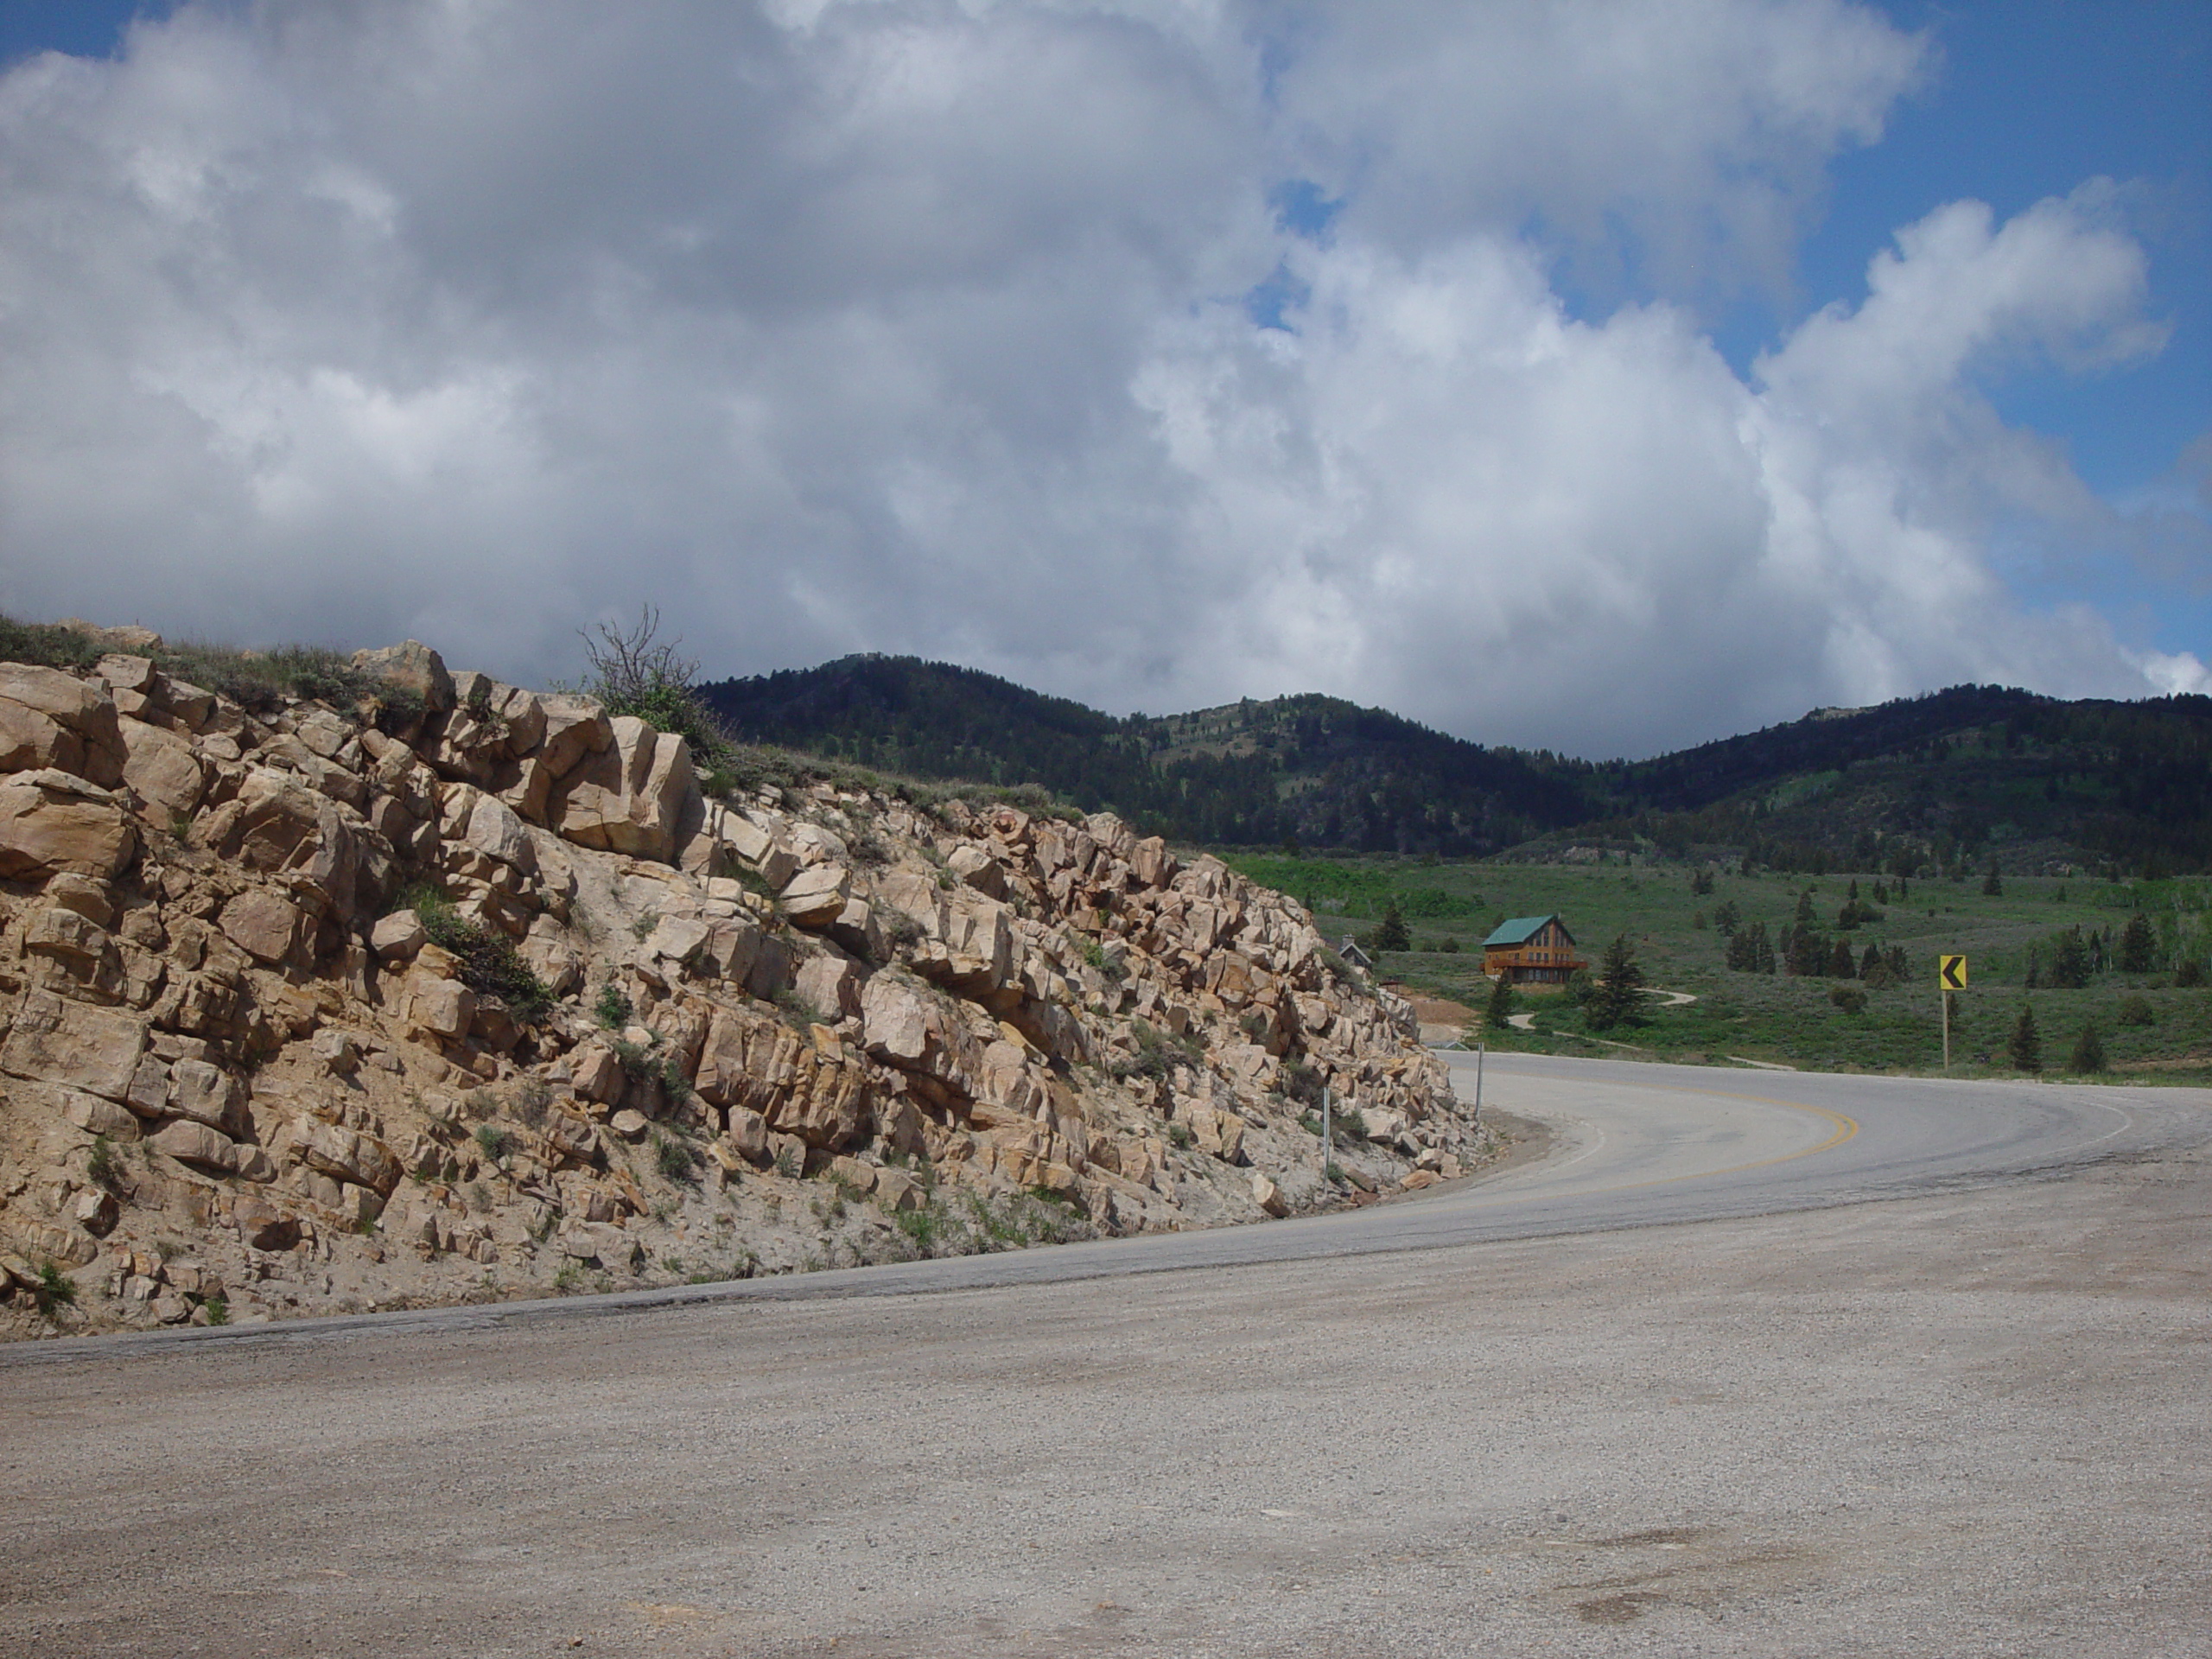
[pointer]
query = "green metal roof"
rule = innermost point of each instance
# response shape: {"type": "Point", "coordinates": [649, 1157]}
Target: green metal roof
{"type": "Point", "coordinates": [1522, 929]}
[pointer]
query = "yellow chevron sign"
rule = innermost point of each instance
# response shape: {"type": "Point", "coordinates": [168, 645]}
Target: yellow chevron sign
{"type": "Point", "coordinates": [1951, 973]}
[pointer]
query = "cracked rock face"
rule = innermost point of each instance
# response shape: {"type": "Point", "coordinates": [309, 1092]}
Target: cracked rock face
{"type": "Point", "coordinates": [473, 993]}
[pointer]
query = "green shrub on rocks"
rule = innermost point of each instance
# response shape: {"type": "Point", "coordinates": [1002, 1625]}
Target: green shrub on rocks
{"type": "Point", "coordinates": [490, 965]}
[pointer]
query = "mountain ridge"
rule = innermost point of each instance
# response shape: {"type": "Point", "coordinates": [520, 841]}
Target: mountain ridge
{"type": "Point", "coordinates": [1968, 774]}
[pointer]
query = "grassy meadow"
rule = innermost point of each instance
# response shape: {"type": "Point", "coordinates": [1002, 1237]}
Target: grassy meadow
{"type": "Point", "coordinates": [1778, 1018]}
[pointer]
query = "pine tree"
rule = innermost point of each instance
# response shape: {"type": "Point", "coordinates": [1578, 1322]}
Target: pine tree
{"type": "Point", "coordinates": [2088, 1053]}
{"type": "Point", "coordinates": [1992, 885]}
{"type": "Point", "coordinates": [2137, 945]}
{"type": "Point", "coordinates": [1620, 978]}
{"type": "Point", "coordinates": [2070, 963]}
{"type": "Point", "coordinates": [1501, 1004]}
{"type": "Point", "coordinates": [1392, 934]}
{"type": "Point", "coordinates": [2024, 1047]}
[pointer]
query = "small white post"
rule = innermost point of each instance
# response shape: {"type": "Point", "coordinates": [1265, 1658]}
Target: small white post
{"type": "Point", "coordinates": [1480, 1050]}
{"type": "Point", "coordinates": [1946, 1031]}
{"type": "Point", "coordinates": [1325, 1132]}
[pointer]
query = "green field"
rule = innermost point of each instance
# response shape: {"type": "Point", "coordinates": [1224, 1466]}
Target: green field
{"type": "Point", "coordinates": [1780, 1018]}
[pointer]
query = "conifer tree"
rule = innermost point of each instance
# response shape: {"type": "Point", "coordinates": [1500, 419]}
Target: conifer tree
{"type": "Point", "coordinates": [1392, 934]}
{"type": "Point", "coordinates": [2137, 945]}
{"type": "Point", "coordinates": [1619, 978]}
{"type": "Point", "coordinates": [2088, 1053]}
{"type": "Point", "coordinates": [1501, 1004]}
{"type": "Point", "coordinates": [2024, 1047]}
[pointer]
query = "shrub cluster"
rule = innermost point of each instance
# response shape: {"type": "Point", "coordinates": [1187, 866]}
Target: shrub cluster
{"type": "Point", "coordinates": [490, 964]}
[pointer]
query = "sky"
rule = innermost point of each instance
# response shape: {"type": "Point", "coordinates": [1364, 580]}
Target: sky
{"type": "Point", "coordinates": [1603, 377]}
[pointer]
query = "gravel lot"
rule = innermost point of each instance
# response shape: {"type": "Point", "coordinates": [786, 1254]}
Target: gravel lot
{"type": "Point", "coordinates": [1969, 1424]}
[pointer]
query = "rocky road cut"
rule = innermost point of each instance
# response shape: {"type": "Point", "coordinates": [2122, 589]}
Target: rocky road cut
{"type": "Point", "coordinates": [1743, 1364]}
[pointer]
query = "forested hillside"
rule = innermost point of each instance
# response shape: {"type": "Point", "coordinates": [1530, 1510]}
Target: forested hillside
{"type": "Point", "coordinates": [1314, 770]}
{"type": "Point", "coordinates": [1966, 776]}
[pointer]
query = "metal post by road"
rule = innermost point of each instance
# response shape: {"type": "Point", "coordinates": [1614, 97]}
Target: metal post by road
{"type": "Point", "coordinates": [1480, 1048]}
{"type": "Point", "coordinates": [1946, 1031]}
{"type": "Point", "coordinates": [1325, 1132]}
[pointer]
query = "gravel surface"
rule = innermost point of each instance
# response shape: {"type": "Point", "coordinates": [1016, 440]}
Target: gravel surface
{"type": "Point", "coordinates": [1973, 1423]}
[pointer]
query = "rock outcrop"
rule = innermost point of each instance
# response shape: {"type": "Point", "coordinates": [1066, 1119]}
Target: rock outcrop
{"type": "Point", "coordinates": [472, 991]}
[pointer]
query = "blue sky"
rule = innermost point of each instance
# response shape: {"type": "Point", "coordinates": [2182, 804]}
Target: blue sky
{"type": "Point", "coordinates": [1145, 359]}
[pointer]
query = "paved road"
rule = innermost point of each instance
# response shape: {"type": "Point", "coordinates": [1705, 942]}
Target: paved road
{"type": "Point", "coordinates": [1974, 1420]}
{"type": "Point", "coordinates": [1636, 1144]}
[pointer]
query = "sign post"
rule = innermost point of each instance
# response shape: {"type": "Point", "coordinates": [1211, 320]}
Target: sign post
{"type": "Point", "coordinates": [1327, 1145]}
{"type": "Point", "coordinates": [1480, 1050]}
{"type": "Point", "coordinates": [1950, 975]}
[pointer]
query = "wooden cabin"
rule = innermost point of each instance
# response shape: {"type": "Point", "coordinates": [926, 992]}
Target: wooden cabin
{"type": "Point", "coordinates": [1532, 951]}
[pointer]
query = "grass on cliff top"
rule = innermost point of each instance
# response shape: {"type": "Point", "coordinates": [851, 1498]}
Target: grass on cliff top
{"type": "Point", "coordinates": [1778, 1018]}
{"type": "Point", "coordinates": [253, 679]}
{"type": "Point", "coordinates": [746, 769]}
{"type": "Point", "coordinates": [260, 679]}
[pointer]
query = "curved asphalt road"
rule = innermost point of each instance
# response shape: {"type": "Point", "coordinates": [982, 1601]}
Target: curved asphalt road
{"type": "Point", "coordinates": [1634, 1145]}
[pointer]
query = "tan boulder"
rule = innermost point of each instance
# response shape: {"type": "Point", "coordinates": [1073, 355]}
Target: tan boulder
{"type": "Point", "coordinates": [570, 1139]}
{"type": "Point", "coordinates": [1151, 863]}
{"type": "Point", "coordinates": [347, 1155]}
{"type": "Point", "coordinates": [1385, 1126]}
{"type": "Point", "coordinates": [978, 869]}
{"type": "Point", "coordinates": [748, 1133]}
{"type": "Point", "coordinates": [595, 1073]}
{"type": "Point", "coordinates": [675, 940]}
{"type": "Point", "coordinates": [817, 895]}
{"type": "Point", "coordinates": [766, 852]}
{"type": "Point", "coordinates": [121, 671]}
{"type": "Point", "coordinates": [632, 797]}
{"type": "Point", "coordinates": [206, 1094]}
{"type": "Point", "coordinates": [263, 1227]}
{"type": "Point", "coordinates": [53, 821]}
{"type": "Point", "coordinates": [162, 769]}
{"type": "Point", "coordinates": [411, 667]}
{"type": "Point", "coordinates": [397, 936]}
{"type": "Point", "coordinates": [69, 938]}
{"type": "Point", "coordinates": [1220, 1134]}
{"type": "Point", "coordinates": [762, 1065]}
{"type": "Point", "coordinates": [266, 926]}
{"type": "Point", "coordinates": [1269, 1195]}
{"type": "Point", "coordinates": [897, 1021]}
{"type": "Point", "coordinates": [730, 952]}
{"type": "Point", "coordinates": [97, 1117]}
{"type": "Point", "coordinates": [127, 635]}
{"type": "Point", "coordinates": [92, 900]}
{"type": "Point", "coordinates": [443, 1007]}
{"type": "Point", "coordinates": [490, 826]}
{"type": "Point", "coordinates": [570, 728]}
{"type": "Point", "coordinates": [278, 826]}
{"type": "Point", "coordinates": [74, 1044]}
{"type": "Point", "coordinates": [897, 1191]}
{"type": "Point", "coordinates": [195, 1144]}
{"type": "Point", "coordinates": [48, 718]}
{"type": "Point", "coordinates": [830, 984]}
{"type": "Point", "coordinates": [96, 1211]}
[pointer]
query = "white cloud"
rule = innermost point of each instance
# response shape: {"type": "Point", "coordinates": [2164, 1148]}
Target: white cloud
{"type": "Point", "coordinates": [921, 326]}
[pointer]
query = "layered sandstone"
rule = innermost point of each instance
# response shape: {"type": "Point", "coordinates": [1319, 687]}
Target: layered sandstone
{"type": "Point", "coordinates": [805, 1025]}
